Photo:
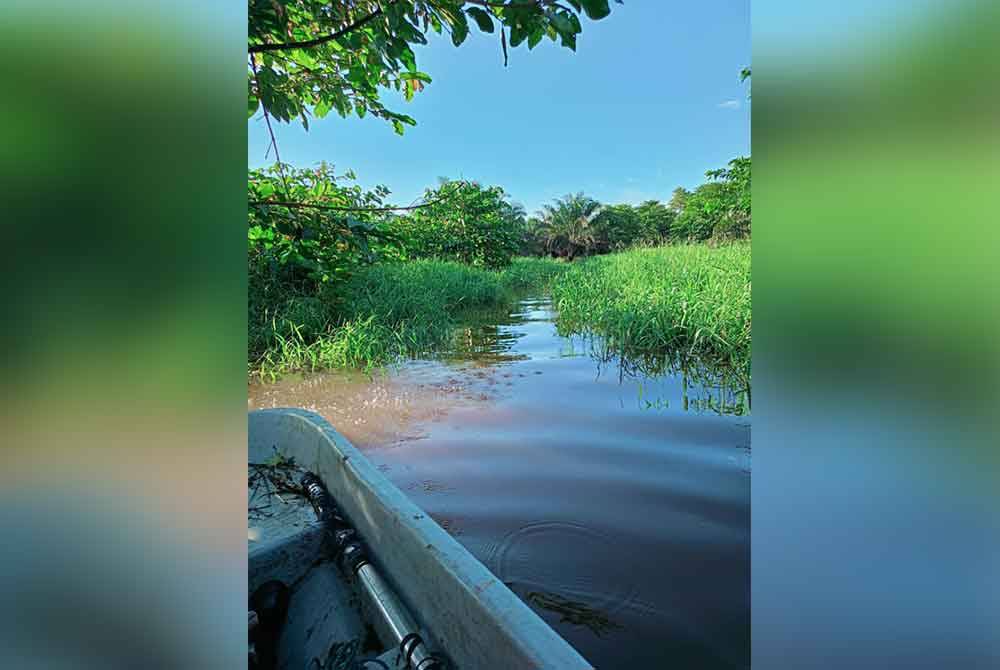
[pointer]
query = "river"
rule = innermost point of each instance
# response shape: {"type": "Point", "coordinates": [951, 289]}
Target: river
{"type": "Point", "coordinates": [615, 502]}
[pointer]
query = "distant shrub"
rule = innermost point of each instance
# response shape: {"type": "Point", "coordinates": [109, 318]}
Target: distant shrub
{"type": "Point", "coordinates": [655, 220]}
{"type": "Point", "coordinates": [703, 211]}
{"type": "Point", "coordinates": [466, 222]}
{"type": "Point", "coordinates": [618, 226]}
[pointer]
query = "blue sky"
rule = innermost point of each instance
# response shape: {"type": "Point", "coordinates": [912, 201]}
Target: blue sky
{"type": "Point", "coordinates": [650, 101]}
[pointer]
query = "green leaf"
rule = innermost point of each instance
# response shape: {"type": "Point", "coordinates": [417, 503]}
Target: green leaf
{"type": "Point", "coordinates": [482, 18]}
{"type": "Point", "coordinates": [357, 76]}
{"type": "Point", "coordinates": [253, 104]}
{"type": "Point", "coordinates": [459, 29]}
{"type": "Point", "coordinates": [561, 23]}
{"type": "Point", "coordinates": [517, 35]}
{"type": "Point", "coordinates": [408, 59]}
{"type": "Point", "coordinates": [596, 9]}
{"type": "Point", "coordinates": [409, 120]}
{"type": "Point", "coordinates": [357, 68]}
{"type": "Point", "coordinates": [535, 37]}
{"type": "Point", "coordinates": [421, 76]}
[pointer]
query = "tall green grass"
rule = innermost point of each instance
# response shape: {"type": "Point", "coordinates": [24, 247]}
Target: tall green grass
{"type": "Point", "coordinates": [383, 313]}
{"type": "Point", "coordinates": [675, 301]}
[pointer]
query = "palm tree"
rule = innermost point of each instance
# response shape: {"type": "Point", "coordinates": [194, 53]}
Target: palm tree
{"type": "Point", "coordinates": [567, 227]}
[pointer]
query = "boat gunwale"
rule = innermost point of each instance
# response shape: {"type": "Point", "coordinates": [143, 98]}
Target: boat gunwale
{"type": "Point", "coordinates": [442, 583]}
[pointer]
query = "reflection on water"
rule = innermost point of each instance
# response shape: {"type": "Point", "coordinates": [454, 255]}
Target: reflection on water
{"type": "Point", "coordinates": [498, 336]}
{"type": "Point", "coordinates": [613, 497]}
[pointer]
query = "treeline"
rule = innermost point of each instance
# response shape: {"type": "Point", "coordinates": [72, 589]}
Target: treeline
{"type": "Point", "coordinates": [581, 226]}
{"type": "Point", "coordinates": [319, 225]}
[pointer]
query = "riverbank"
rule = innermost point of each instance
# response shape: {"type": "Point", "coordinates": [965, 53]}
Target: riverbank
{"type": "Point", "coordinates": [663, 303]}
{"type": "Point", "coordinates": [384, 313]}
{"type": "Point", "coordinates": [675, 302]}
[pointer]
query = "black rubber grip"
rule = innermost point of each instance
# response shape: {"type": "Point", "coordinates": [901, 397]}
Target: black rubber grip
{"type": "Point", "coordinates": [344, 541]}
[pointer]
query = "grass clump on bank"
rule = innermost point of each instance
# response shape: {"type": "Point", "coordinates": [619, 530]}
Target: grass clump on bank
{"type": "Point", "coordinates": [385, 312]}
{"type": "Point", "coordinates": [686, 300]}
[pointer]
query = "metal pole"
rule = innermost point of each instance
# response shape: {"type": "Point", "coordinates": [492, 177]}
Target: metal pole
{"type": "Point", "coordinates": [354, 560]}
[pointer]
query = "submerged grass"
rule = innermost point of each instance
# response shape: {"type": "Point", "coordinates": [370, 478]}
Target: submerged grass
{"type": "Point", "coordinates": [384, 313]}
{"type": "Point", "coordinates": [676, 301]}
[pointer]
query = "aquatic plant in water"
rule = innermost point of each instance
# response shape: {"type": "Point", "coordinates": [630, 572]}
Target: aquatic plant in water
{"type": "Point", "coordinates": [674, 302]}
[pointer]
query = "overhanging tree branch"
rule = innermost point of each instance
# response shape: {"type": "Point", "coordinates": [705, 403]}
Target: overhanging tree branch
{"type": "Point", "coordinates": [338, 208]}
{"type": "Point", "coordinates": [306, 44]}
{"type": "Point", "coordinates": [270, 130]}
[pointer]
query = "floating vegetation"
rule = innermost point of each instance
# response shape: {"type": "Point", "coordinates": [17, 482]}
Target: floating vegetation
{"type": "Point", "coordinates": [573, 612]}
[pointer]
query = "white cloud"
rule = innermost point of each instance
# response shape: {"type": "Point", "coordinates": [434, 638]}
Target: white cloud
{"type": "Point", "coordinates": [729, 104]}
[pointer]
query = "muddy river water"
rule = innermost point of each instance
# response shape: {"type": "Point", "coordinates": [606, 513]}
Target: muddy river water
{"type": "Point", "coordinates": [615, 502]}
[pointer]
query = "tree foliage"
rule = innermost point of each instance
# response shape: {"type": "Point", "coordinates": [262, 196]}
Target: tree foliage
{"type": "Point", "coordinates": [703, 210]}
{"type": "Point", "coordinates": [318, 243]}
{"type": "Point", "coordinates": [568, 228]}
{"type": "Point", "coordinates": [719, 208]}
{"type": "Point", "coordinates": [308, 57]}
{"type": "Point", "coordinates": [655, 220]}
{"type": "Point", "coordinates": [298, 257]}
{"type": "Point", "coordinates": [577, 225]}
{"type": "Point", "coordinates": [735, 180]}
{"type": "Point", "coordinates": [466, 222]}
{"type": "Point", "coordinates": [618, 226]}
{"type": "Point", "coordinates": [678, 199]}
